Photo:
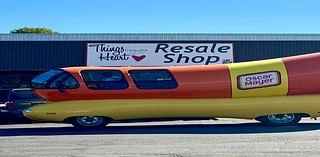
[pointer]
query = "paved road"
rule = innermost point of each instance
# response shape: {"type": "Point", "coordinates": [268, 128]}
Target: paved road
{"type": "Point", "coordinates": [226, 137]}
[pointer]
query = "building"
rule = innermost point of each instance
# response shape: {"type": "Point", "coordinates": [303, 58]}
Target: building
{"type": "Point", "coordinates": [22, 56]}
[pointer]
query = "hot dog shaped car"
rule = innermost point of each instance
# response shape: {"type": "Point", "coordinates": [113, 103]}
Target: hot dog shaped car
{"type": "Point", "coordinates": [275, 92]}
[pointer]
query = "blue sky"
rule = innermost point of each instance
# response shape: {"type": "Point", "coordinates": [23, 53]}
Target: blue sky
{"type": "Point", "coordinates": [163, 16]}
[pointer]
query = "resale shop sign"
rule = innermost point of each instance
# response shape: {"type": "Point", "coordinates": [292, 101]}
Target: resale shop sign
{"type": "Point", "coordinates": [158, 54]}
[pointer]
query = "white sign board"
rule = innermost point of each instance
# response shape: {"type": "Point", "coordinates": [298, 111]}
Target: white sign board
{"type": "Point", "coordinates": [158, 54]}
{"type": "Point", "coordinates": [258, 80]}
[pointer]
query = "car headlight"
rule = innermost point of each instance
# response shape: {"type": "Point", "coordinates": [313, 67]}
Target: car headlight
{"type": "Point", "coordinates": [27, 111]}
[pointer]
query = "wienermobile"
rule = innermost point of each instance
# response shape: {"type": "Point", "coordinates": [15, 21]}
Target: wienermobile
{"type": "Point", "coordinates": [275, 92]}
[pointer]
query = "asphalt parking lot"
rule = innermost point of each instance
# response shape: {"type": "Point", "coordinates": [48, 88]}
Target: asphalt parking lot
{"type": "Point", "coordinates": [225, 137]}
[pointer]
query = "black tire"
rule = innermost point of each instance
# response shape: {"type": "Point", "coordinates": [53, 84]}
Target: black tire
{"type": "Point", "coordinates": [90, 122]}
{"type": "Point", "coordinates": [280, 119]}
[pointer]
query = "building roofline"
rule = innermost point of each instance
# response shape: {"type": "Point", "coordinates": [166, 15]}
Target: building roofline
{"type": "Point", "coordinates": [160, 37]}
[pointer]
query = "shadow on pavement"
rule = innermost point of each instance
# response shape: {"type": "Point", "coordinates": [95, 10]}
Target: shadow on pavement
{"type": "Point", "coordinates": [243, 128]}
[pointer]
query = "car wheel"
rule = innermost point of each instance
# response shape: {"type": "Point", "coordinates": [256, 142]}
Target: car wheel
{"type": "Point", "coordinates": [90, 122]}
{"type": "Point", "coordinates": [280, 119]}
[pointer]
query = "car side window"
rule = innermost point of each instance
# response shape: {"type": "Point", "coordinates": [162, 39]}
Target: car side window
{"type": "Point", "coordinates": [67, 81]}
{"type": "Point", "coordinates": [153, 79]}
{"type": "Point", "coordinates": [104, 79]}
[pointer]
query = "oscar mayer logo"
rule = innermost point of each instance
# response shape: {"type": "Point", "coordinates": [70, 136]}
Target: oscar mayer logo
{"type": "Point", "coordinates": [259, 80]}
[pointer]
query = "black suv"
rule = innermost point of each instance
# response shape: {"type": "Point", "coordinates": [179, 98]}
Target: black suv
{"type": "Point", "coordinates": [14, 101]}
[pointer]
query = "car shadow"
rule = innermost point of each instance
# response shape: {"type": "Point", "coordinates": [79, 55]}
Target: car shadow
{"type": "Point", "coordinates": [243, 128]}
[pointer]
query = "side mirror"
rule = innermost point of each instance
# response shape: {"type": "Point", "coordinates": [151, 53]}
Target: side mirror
{"type": "Point", "coordinates": [60, 86]}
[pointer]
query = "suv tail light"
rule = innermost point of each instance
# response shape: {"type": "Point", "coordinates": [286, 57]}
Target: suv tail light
{"type": "Point", "coordinates": [10, 104]}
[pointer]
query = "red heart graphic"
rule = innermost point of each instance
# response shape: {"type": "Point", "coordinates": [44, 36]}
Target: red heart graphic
{"type": "Point", "coordinates": [138, 58]}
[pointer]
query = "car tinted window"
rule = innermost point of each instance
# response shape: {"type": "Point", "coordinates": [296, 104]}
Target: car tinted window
{"type": "Point", "coordinates": [4, 95]}
{"type": "Point", "coordinates": [23, 95]}
{"type": "Point", "coordinates": [153, 79]}
{"type": "Point", "coordinates": [67, 80]}
{"type": "Point", "coordinates": [42, 80]}
{"type": "Point", "coordinates": [50, 78]}
{"type": "Point", "coordinates": [104, 79]}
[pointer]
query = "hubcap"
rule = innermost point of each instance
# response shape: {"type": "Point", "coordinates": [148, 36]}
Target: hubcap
{"type": "Point", "coordinates": [281, 118]}
{"type": "Point", "coordinates": [89, 120]}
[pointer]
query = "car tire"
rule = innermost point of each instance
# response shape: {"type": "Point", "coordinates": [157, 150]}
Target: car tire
{"type": "Point", "coordinates": [90, 122]}
{"type": "Point", "coordinates": [280, 119]}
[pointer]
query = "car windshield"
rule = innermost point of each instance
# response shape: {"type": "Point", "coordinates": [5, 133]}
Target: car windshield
{"type": "Point", "coordinates": [41, 80]}
{"type": "Point", "coordinates": [50, 80]}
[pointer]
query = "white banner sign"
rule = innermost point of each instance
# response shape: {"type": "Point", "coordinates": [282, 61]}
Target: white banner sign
{"type": "Point", "coordinates": [158, 54]}
{"type": "Point", "coordinates": [259, 80]}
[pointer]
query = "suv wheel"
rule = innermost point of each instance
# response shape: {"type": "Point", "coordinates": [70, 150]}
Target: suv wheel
{"type": "Point", "coordinates": [280, 119]}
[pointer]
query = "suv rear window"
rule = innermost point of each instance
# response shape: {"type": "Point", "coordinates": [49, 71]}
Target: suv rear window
{"type": "Point", "coordinates": [23, 95]}
{"type": "Point", "coordinates": [4, 95]}
{"type": "Point", "coordinates": [153, 79]}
